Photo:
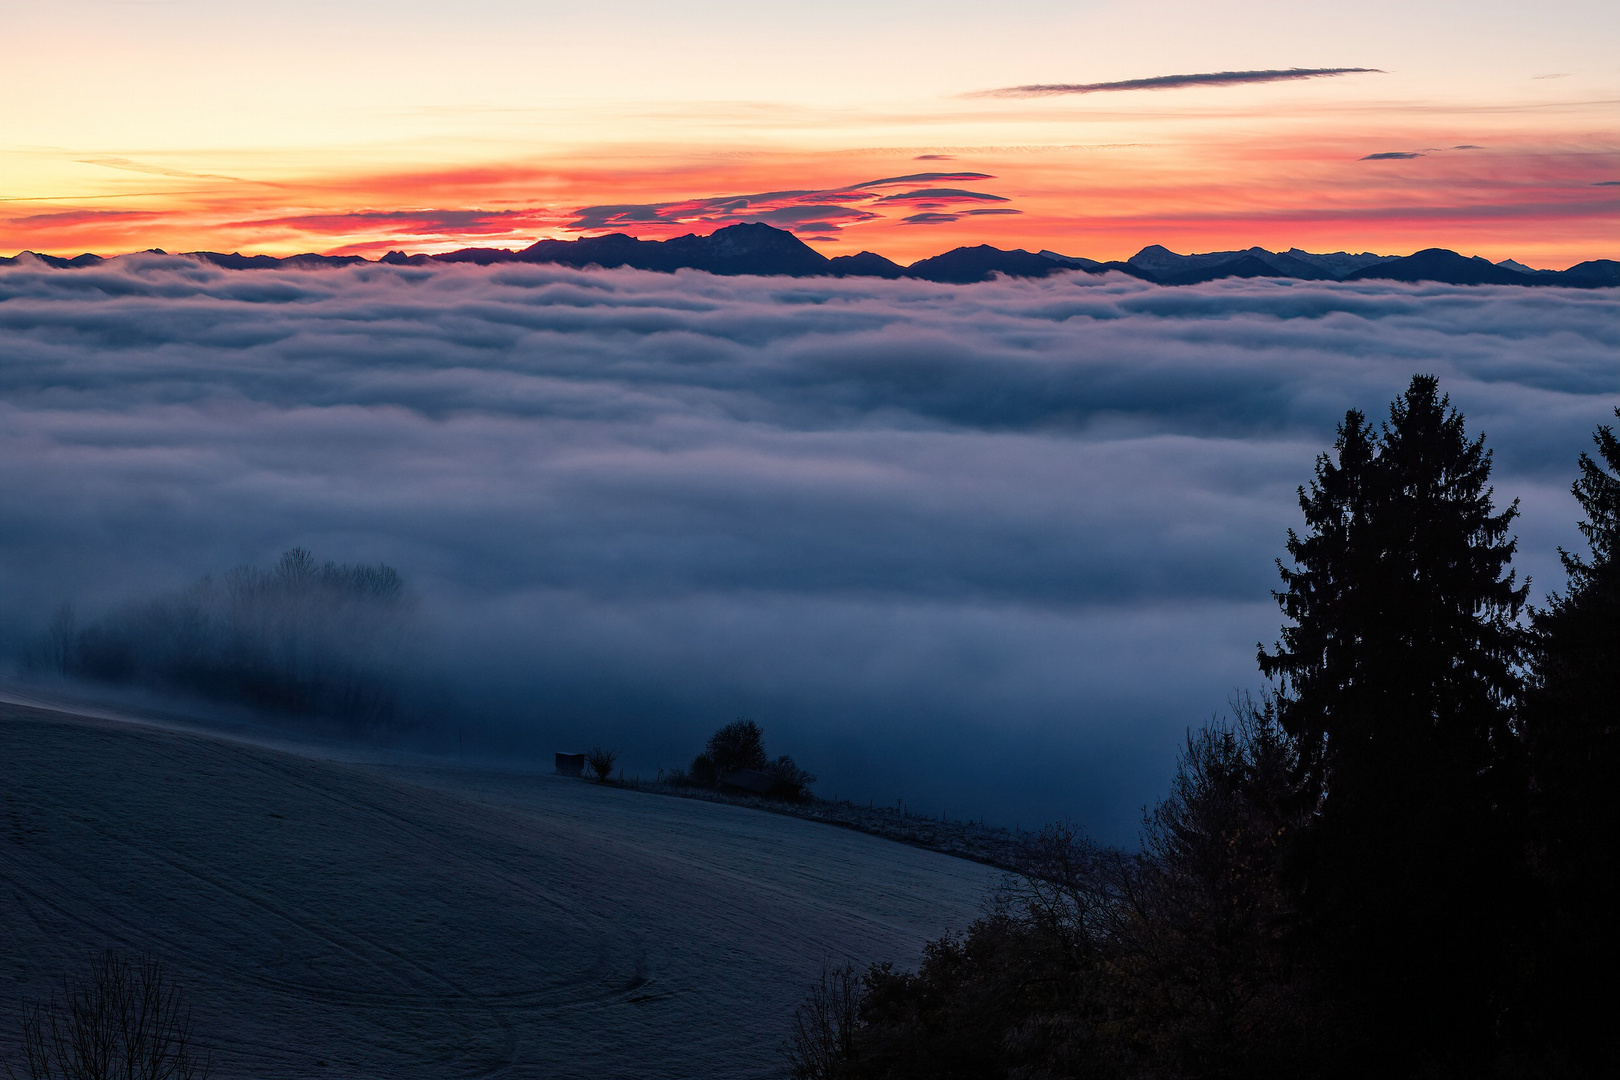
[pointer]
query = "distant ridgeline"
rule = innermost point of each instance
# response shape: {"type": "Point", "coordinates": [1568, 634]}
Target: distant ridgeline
{"type": "Point", "coordinates": [760, 249]}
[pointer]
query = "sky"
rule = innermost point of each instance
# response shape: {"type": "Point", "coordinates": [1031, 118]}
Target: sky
{"type": "Point", "coordinates": [1089, 127]}
{"type": "Point", "coordinates": [990, 549]}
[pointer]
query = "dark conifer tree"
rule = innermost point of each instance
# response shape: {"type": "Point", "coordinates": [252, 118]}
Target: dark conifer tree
{"type": "Point", "coordinates": [1343, 893]}
{"type": "Point", "coordinates": [1398, 678]}
{"type": "Point", "coordinates": [1572, 732]}
{"type": "Point", "coordinates": [1328, 603]}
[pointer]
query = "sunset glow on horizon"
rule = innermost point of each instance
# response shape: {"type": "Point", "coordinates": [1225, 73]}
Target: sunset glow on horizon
{"type": "Point", "coordinates": [362, 128]}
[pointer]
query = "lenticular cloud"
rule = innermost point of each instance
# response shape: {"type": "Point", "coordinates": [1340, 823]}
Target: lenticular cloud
{"type": "Point", "coordinates": [989, 549]}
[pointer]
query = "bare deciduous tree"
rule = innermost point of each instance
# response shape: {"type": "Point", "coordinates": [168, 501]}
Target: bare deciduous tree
{"type": "Point", "coordinates": [601, 762]}
{"type": "Point", "coordinates": [822, 1039]}
{"type": "Point", "coordinates": [121, 1020]}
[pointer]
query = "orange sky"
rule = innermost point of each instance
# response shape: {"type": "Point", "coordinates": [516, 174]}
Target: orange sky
{"type": "Point", "coordinates": [361, 127]}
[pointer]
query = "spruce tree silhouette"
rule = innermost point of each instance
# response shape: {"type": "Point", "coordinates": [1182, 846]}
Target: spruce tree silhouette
{"type": "Point", "coordinates": [1397, 677]}
{"type": "Point", "coordinates": [1572, 732]}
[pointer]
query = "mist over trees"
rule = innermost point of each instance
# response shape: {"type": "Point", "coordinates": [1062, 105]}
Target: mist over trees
{"type": "Point", "coordinates": [301, 638]}
{"type": "Point", "coordinates": [1401, 861]}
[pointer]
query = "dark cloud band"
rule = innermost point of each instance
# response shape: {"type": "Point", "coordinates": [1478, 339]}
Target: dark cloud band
{"type": "Point", "coordinates": [808, 211]}
{"type": "Point", "coordinates": [1175, 82]}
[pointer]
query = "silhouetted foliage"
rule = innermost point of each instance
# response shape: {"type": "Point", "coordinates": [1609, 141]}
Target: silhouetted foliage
{"type": "Point", "coordinates": [1572, 735]}
{"type": "Point", "coordinates": [1213, 935]}
{"type": "Point", "coordinates": [791, 781]}
{"type": "Point", "coordinates": [1172, 961]}
{"type": "Point", "coordinates": [1397, 680]}
{"type": "Point", "coordinates": [738, 745]}
{"type": "Point", "coordinates": [821, 1042]}
{"type": "Point", "coordinates": [304, 638]}
{"type": "Point", "coordinates": [702, 771]}
{"type": "Point", "coordinates": [1401, 863]}
{"type": "Point", "coordinates": [122, 1020]}
{"type": "Point", "coordinates": [601, 762]}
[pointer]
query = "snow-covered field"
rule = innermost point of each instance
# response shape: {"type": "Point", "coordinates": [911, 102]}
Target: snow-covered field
{"type": "Point", "coordinates": [403, 918]}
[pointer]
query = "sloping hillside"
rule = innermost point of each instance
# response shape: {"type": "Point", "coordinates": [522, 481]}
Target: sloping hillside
{"type": "Point", "coordinates": [404, 920]}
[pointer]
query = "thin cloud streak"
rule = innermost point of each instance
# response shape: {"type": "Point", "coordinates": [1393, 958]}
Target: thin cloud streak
{"type": "Point", "coordinates": [1404, 155]}
{"type": "Point", "coordinates": [1175, 82]}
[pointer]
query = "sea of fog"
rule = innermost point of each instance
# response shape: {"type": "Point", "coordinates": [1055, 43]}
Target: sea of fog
{"type": "Point", "coordinates": [986, 549]}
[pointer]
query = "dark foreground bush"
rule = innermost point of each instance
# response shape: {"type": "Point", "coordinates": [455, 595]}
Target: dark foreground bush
{"type": "Point", "coordinates": [1095, 962]}
{"type": "Point", "coordinates": [601, 762]}
{"type": "Point", "coordinates": [121, 1020]}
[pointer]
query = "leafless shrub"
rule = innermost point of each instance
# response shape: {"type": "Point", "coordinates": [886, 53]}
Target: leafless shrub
{"type": "Point", "coordinates": [823, 1035]}
{"type": "Point", "coordinates": [121, 1020]}
{"type": "Point", "coordinates": [1079, 892]}
{"type": "Point", "coordinates": [601, 762]}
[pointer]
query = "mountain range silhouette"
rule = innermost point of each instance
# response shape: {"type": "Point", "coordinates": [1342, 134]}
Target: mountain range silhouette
{"type": "Point", "coordinates": [753, 248]}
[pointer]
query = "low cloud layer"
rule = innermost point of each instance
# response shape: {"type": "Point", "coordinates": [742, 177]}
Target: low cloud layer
{"type": "Point", "coordinates": [1177, 82]}
{"type": "Point", "coordinates": [989, 549]}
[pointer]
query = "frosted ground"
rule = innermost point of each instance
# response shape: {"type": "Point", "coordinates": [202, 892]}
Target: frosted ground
{"type": "Point", "coordinates": [343, 914]}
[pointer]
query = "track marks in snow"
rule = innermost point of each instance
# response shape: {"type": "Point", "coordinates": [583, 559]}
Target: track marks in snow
{"type": "Point", "coordinates": [434, 922]}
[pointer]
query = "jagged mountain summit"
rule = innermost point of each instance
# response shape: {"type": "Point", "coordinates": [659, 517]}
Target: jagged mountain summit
{"type": "Point", "coordinates": [1168, 267]}
{"type": "Point", "coordinates": [759, 249]}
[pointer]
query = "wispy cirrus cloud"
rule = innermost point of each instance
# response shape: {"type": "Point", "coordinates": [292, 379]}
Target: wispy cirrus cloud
{"type": "Point", "coordinates": [1175, 82]}
{"type": "Point", "coordinates": [942, 195]}
{"type": "Point", "coordinates": [1406, 155]}
{"type": "Point", "coordinates": [820, 211]}
{"type": "Point", "coordinates": [74, 231]}
{"type": "Point", "coordinates": [467, 222]}
{"type": "Point", "coordinates": [80, 217]}
{"type": "Point", "coordinates": [124, 164]}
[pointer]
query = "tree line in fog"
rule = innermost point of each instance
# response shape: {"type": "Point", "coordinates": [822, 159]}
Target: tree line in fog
{"type": "Point", "coordinates": [302, 638]}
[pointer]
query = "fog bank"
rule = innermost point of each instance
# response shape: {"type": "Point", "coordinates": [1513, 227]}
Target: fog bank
{"type": "Point", "coordinates": [989, 549]}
